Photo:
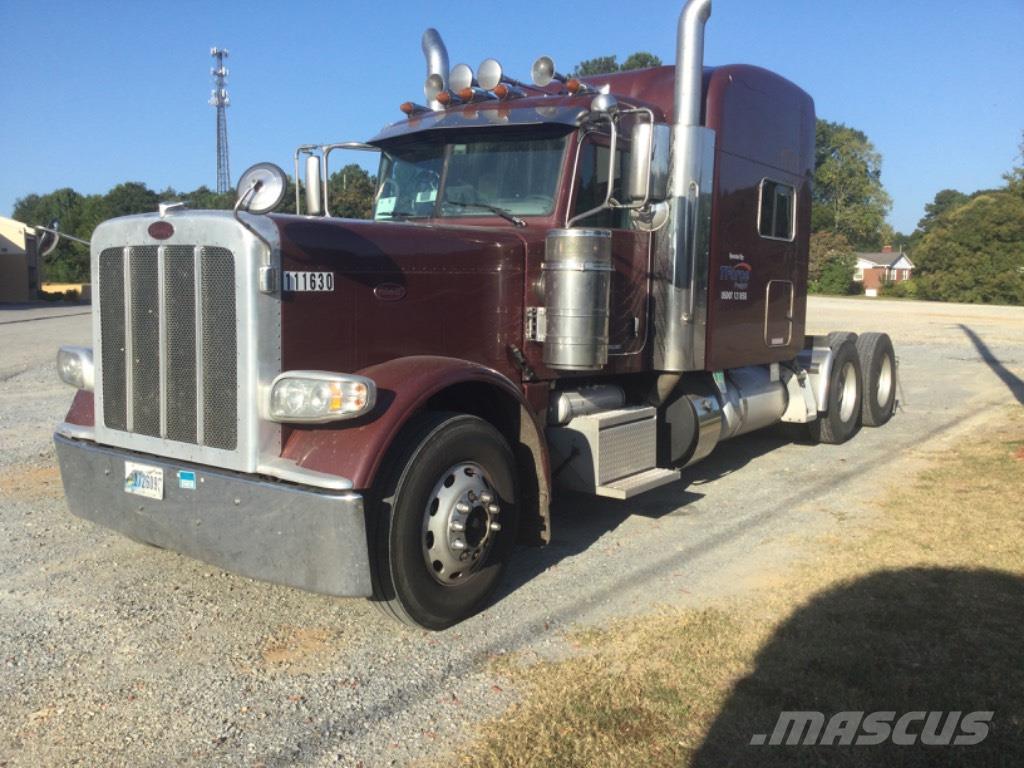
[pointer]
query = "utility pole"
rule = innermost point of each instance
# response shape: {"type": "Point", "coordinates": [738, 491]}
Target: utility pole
{"type": "Point", "coordinates": [221, 101]}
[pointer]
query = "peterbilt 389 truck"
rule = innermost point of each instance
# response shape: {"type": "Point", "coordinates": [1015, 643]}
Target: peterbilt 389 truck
{"type": "Point", "coordinates": [567, 285]}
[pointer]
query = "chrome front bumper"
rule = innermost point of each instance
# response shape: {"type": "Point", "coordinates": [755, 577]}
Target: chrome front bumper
{"type": "Point", "coordinates": [264, 529]}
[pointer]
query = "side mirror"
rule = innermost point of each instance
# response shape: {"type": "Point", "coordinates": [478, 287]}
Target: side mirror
{"type": "Point", "coordinates": [647, 177]}
{"type": "Point", "coordinates": [46, 243]}
{"type": "Point", "coordinates": [314, 186]}
{"type": "Point", "coordinates": [261, 188]}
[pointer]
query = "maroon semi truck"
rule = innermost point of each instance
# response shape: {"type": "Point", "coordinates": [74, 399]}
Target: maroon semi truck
{"type": "Point", "coordinates": [567, 284]}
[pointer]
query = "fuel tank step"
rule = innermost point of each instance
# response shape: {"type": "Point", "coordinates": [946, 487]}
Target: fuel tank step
{"type": "Point", "coordinates": [632, 485]}
{"type": "Point", "coordinates": [609, 453]}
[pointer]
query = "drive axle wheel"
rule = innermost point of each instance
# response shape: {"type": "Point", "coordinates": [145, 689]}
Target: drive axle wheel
{"type": "Point", "coordinates": [446, 520]}
{"type": "Point", "coordinates": [841, 418]}
{"type": "Point", "coordinates": [878, 366]}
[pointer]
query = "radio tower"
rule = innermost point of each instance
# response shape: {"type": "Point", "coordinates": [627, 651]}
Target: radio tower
{"type": "Point", "coordinates": [220, 100]}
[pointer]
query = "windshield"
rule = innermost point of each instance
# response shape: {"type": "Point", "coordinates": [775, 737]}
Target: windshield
{"type": "Point", "coordinates": [469, 174]}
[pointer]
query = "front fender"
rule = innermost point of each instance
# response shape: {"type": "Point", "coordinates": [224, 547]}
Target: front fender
{"type": "Point", "coordinates": [405, 385]}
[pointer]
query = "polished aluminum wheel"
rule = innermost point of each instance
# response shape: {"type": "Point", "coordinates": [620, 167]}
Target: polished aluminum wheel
{"type": "Point", "coordinates": [884, 382]}
{"type": "Point", "coordinates": [460, 523]}
{"type": "Point", "coordinates": [847, 392]}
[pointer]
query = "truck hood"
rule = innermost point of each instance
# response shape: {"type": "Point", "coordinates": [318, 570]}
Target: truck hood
{"type": "Point", "coordinates": [399, 289]}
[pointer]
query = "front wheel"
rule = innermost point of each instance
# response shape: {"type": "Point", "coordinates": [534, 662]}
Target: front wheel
{"type": "Point", "coordinates": [446, 520]}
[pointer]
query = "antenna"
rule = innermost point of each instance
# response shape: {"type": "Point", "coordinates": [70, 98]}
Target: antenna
{"type": "Point", "coordinates": [219, 99]}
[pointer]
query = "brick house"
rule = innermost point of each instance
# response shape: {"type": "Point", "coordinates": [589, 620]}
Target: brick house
{"type": "Point", "coordinates": [874, 269]}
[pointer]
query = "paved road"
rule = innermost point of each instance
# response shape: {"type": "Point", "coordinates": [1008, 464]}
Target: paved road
{"type": "Point", "coordinates": [116, 653]}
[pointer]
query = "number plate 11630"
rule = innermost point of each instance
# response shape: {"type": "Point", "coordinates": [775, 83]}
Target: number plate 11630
{"type": "Point", "coordinates": [308, 281]}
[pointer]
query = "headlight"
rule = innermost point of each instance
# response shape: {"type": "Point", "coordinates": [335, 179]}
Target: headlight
{"type": "Point", "coordinates": [316, 397]}
{"type": "Point", "coordinates": [74, 366]}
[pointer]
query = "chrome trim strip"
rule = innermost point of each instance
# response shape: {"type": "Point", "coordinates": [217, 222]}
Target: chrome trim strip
{"type": "Point", "coordinates": [162, 335]}
{"type": "Point", "coordinates": [285, 469]}
{"type": "Point", "coordinates": [129, 369]}
{"type": "Point", "coordinates": [197, 262]}
{"type": "Point", "coordinates": [76, 431]}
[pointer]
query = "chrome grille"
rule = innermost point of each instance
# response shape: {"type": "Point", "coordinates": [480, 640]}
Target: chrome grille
{"type": "Point", "coordinates": [144, 346]}
{"type": "Point", "coordinates": [219, 384]}
{"type": "Point", "coordinates": [180, 372]}
{"type": "Point", "coordinates": [113, 360]}
{"type": "Point", "coordinates": [167, 327]}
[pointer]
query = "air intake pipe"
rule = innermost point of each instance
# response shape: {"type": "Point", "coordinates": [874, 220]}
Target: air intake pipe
{"type": "Point", "coordinates": [437, 64]}
{"type": "Point", "coordinates": [681, 248]}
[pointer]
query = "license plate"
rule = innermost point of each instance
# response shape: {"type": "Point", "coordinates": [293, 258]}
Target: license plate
{"type": "Point", "coordinates": [308, 281]}
{"type": "Point", "coordinates": [143, 480]}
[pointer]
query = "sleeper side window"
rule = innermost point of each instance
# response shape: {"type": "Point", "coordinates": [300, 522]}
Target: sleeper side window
{"type": "Point", "coordinates": [777, 211]}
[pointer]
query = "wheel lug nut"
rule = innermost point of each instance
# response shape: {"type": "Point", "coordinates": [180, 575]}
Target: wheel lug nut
{"type": "Point", "coordinates": [493, 509]}
{"type": "Point", "coordinates": [458, 544]}
{"type": "Point", "coordinates": [462, 507]}
{"type": "Point", "coordinates": [457, 526]}
{"type": "Point", "coordinates": [495, 526]}
{"type": "Point", "coordinates": [486, 498]}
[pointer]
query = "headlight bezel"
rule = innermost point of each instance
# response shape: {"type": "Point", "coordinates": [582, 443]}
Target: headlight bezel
{"type": "Point", "coordinates": [83, 376]}
{"type": "Point", "coordinates": [310, 380]}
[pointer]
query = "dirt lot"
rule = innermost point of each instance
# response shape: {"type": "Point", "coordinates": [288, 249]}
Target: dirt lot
{"type": "Point", "coordinates": [116, 653]}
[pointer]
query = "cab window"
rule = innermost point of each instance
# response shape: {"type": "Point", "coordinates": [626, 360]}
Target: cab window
{"type": "Point", "coordinates": [592, 183]}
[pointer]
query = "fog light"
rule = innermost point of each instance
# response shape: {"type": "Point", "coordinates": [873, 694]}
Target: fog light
{"type": "Point", "coordinates": [74, 366]}
{"type": "Point", "coordinates": [317, 397]}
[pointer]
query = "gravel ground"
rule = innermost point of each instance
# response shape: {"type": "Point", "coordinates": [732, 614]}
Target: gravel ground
{"type": "Point", "coordinates": [115, 653]}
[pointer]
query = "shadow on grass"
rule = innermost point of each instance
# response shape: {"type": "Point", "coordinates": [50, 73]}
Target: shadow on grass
{"type": "Point", "coordinates": [907, 641]}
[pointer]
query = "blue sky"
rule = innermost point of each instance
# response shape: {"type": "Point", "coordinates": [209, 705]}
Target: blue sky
{"type": "Point", "coordinates": [98, 93]}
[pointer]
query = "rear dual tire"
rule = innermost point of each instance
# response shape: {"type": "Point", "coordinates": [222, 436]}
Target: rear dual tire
{"type": "Point", "coordinates": [842, 415]}
{"type": "Point", "coordinates": [878, 364]}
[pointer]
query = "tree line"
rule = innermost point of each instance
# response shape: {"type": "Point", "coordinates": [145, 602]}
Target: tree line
{"type": "Point", "coordinates": [965, 248]}
{"type": "Point", "coordinates": [350, 194]}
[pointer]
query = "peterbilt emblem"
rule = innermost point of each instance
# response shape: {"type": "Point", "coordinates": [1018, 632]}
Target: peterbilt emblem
{"type": "Point", "coordinates": [389, 292]}
{"type": "Point", "coordinates": [161, 230]}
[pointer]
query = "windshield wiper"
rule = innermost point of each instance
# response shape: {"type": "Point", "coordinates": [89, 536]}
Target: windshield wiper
{"type": "Point", "coordinates": [492, 208]}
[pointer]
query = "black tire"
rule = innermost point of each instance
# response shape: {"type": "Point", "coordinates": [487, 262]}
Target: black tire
{"type": "Point", "coordinates": [412, 484]}
{"type": "Point", "coordinates": [841, 419]}
{"type": "Point", "coordinates": [878, 368]}
{"type": "Point", "coordinates": [835, 338]}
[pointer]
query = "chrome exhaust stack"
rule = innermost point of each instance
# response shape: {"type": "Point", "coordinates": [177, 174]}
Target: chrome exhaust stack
{"type": "Point", "coordinates": [681, 248]}
{"type": "Point", "coordinates": [436, 55]}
